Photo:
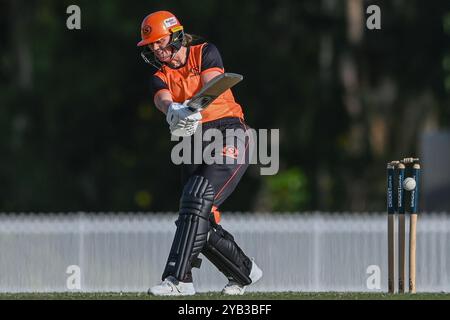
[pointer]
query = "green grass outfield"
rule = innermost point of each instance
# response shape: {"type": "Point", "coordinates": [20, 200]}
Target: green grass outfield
{"type": "Point", "coordinates": [218, 296]}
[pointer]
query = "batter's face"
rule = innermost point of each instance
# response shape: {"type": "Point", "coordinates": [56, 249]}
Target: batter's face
{"type": "Point", "coordinates": [161, 49]}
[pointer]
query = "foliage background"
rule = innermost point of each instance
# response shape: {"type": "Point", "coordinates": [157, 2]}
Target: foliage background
{"type": "Point", "coordinates": [79, 131]}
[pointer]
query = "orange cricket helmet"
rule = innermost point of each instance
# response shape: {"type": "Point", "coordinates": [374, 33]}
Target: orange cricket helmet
{"type": "Point", "coordinates": [158, 25]}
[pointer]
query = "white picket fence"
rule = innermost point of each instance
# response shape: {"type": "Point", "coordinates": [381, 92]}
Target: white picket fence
{"type": "Point", "coordinates": [308, 252]}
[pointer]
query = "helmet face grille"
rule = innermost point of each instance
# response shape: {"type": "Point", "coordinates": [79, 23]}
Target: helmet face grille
{"type": "Point", "coordinates": [149, 58]}
{"type": "Point", "coordinates": [177, 39]}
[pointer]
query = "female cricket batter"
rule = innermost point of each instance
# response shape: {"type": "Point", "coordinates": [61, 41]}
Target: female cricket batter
{"type": "Point", "coordinates": [182, 69]}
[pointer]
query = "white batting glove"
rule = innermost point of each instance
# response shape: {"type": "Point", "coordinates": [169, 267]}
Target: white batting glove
{"type": "Point", "coordinates": [182, 121]}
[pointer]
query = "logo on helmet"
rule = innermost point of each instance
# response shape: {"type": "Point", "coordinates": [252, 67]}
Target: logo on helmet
{"type": "Point", "coordinates": [146, 30]}
{"type": "Point", "coordinates": [170, 22]}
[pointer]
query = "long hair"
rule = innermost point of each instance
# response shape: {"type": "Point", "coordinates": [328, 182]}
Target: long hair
{"type": "Point", "coordinates": [191, 40]}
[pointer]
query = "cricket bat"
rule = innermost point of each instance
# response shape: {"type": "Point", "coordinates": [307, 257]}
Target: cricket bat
{"type": "Point", "coordinates": [213, 89]}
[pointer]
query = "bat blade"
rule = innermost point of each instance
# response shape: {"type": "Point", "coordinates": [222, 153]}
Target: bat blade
{"type": "Point", "coordinates": [213, 89]}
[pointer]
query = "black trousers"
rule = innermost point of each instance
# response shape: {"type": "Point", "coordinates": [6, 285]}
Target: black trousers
{"type": "Point", "coordinates": [224, 177]}
{"type": "Point", "coordinates": [235, 156]}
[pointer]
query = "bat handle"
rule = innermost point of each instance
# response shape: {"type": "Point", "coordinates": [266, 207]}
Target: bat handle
{"type": "Point", "coordinates": [195, 109]}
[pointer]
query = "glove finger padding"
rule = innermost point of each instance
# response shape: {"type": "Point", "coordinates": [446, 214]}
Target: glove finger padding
{"type": "Point", "coordinates": [182, 121]}
{"type": "Point", "coordinates": [177, 112]}
{"type": "Point", "coordinates": [184, 131]}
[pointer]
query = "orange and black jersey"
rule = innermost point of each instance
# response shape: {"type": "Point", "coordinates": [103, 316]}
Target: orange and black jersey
{"type": "Point", "coordinates": [184, 82]}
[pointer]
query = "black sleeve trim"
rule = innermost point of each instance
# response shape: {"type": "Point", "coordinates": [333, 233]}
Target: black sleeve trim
{"type": "Point", "coordinates": [157, 84]}
{"type": "Point", "coordinates": [211, 57]}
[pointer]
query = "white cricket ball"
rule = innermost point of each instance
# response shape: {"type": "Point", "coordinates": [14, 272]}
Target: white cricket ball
{"type": "Point", "coordinates": [409, 184]}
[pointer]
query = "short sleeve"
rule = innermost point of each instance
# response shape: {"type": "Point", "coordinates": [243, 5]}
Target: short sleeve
{"type": "Point", "coordinates": [211, 57]}
{"type": "Point", "coordinates": [157, 84]}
